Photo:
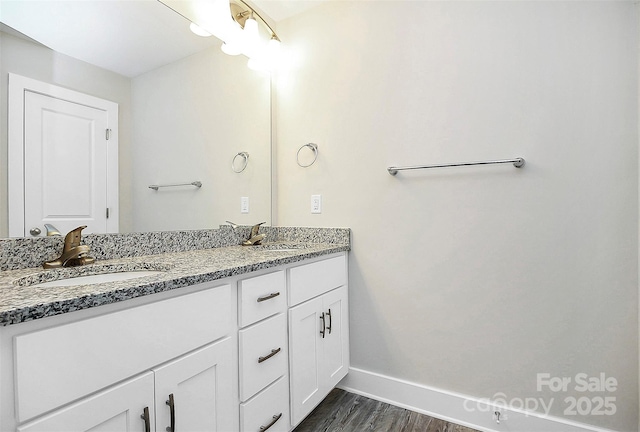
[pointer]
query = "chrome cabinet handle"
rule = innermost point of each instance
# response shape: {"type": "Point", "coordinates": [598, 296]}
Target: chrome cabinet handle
{"type": "Point", "coordinates": [324, 325]}
{"type": "Point", "coordinates": [147, 420]}
{"type": "Point", "coordinates": [275, 419]}
{"type": "Point", "coordinates": [267, 357]}
{"type": "Point", "coordinates": [268, 297]}
{"type": "Point", "coordinates": [329, 326]}
{"type": "Point", "coordinates": [172, 409]}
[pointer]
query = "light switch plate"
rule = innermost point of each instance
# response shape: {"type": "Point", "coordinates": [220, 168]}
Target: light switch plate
{"type": "Point", "coordinates": [244, 204]}
{"type": "Point", "coordinates": [316, 204]}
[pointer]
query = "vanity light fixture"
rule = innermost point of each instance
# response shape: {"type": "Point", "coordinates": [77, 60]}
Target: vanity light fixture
{"type": "Point", "coordinates": [262, 56]}
{"type": "Point", "coordinates": [237, 24]}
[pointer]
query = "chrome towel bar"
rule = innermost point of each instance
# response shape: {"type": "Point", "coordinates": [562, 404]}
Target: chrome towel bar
{"type": "Point", "coordinates": [195, 183]}
{"type": "Point", "coordinates": [517, 162]}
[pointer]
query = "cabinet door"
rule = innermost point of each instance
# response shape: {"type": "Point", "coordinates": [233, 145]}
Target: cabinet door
{"type": "Point", "coordinates": [335, 362]}
{"type": "Point", "coordinates": [202, 389]}
{"type": "Point", "coordinates": [305, 347]}
{"type": "Point", "coordinates": [117, 409]}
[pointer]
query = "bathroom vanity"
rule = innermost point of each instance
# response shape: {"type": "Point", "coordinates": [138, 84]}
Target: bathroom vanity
{"type": "Point", "coordinates": [224, 339]}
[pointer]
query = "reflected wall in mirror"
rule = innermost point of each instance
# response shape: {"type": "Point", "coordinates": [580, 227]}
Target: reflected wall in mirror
{"type": "Point", "coordinates": [185, 108]}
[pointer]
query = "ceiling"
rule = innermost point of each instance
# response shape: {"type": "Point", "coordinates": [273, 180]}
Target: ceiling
{"type": "Point", "coordinates": [279, 10]}
{"type": "Point", "coordinates": [127, 37]}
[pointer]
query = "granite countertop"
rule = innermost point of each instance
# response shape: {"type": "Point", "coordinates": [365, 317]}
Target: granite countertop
{"type": "Point", "coordinates": [20, 302]}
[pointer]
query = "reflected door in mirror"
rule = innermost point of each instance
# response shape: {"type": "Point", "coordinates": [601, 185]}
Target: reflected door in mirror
{"type": "Point", "coordinates": [66, 172]}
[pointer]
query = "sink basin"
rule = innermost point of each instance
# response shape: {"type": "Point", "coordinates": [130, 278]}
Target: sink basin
{"type": "Point", "coordinates": [280, 247]}
{"type": "Point", "coordinates": [99, 278]}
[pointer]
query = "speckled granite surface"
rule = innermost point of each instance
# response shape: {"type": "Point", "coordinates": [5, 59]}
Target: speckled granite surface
{"type": "Point", "coordinates": [19, 253]}
{"type": "Point", "coordinates": [184, 257]}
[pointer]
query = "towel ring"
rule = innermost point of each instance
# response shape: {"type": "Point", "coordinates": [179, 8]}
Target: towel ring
{"type": "Point", "coordinates": [245, 161]}
{"type": "Point", "coordinates": [314, 148]}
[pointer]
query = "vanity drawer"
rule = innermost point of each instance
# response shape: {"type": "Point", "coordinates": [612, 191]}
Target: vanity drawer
{"type": "Point", "coordinates": [263, 354]}
{"type": "Point", "coordinates": [260, 297]}
{"type": "Point", "coordinates": [311, 280]}
{"type": "Point", "coordinates": [271, 406]}
{"type": "Point", "coordinates": [61, 364]}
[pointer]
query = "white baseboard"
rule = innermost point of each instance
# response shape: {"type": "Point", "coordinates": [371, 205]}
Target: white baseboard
{"type": "Point", "coordinates": [453, 407]}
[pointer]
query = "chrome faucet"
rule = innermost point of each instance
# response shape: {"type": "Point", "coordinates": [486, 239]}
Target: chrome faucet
{"type": "Point", "coordinates": [51, 230]}
{"type": "Point", "coordinates": [232, 225]}
{"type": "Point", "coordinates": [254, 237]}
{"type": "Point", "coordinates": [73, 253]}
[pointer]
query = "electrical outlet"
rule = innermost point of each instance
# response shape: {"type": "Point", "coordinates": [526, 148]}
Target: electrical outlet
{"type": "Point", "coordinates": [316, 203]}
{"type": "Point", "coordinates": [244, 204]}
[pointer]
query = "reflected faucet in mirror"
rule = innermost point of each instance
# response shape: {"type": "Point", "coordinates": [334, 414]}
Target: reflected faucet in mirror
{"type": "Point", "coordinates": [51, 230]}
{"type": "Point", "coordinates": [73, 253]}
{"type": "Point", "coordinates": [254, 238]}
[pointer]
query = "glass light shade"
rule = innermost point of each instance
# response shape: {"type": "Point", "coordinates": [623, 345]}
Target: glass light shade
{"type": "Point", "coordinates": [251, 37]}
{"type": "Point", "coordinates": [234, 40]}
{"type": "Point", "coordinates": [231, 48]}
{"type": "Point", "coordinates": [273, 50]}
{"type": "Point", "coordinates": [199, 30]}
{"type": "Point", "coordinates": [267, 59]}
{"type": "Point", "coordinates": [257, 64]}
{"type": "Point", "coordinates": [212, 16]}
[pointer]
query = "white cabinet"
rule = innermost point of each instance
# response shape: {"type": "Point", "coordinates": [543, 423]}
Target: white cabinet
{"type": "Point", "coordinates": [263, 353]}
{"type": "Point", "coordinates": [103, 372]}
{"type": "Point", "coordinates": [191, 394]}
{"type": "Point", "coordinates": [318, 340]}
{"type": "Point", "coordinates": [195, 392]}
{"type": "Point", "coordinates": [269, 409]}
{"type": "Point", "coordinates": [117, 409]}
{"type": "Point", "coordinates": [207, 357]}
{"type": "Point", "coordinates": [62, 363]}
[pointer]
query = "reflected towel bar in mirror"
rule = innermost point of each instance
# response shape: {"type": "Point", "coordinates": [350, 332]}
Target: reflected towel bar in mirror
{"type": "Point", "coordinates": [195, 183]}
{"type": "Point", "coordinates": [517, 162]}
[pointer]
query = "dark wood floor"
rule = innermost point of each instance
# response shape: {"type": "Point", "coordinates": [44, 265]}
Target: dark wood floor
{"type": "Point", "coordinates": [347, 412]}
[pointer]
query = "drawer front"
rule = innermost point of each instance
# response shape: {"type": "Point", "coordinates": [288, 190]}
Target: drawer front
{"type": "Point", "coordinates": [270, 407]}
{"type": "Point", "coordinates": [263, 354]}
{"type": "Point", "coordinates": [61, 364]}
{"type": "Point", "coordinates": [261, 297]}
{"type": "Point", "coordinates": [311, 280]}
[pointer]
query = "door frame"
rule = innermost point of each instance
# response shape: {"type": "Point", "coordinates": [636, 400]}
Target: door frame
{"type": "Point", "coordinates": [18, 85]}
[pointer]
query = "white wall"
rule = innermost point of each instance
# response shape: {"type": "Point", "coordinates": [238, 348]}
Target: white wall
{"type": "Point", "coordinates": [36, 61]}
{"type": "Point", "coordinates": [474, 280]}
{"type": "Point", "coordinates": [191, 118]}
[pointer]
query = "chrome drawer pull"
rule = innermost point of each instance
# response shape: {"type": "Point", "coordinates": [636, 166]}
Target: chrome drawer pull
{"type": "Point", "coordinates": [329, 326]}
{"type": "Point", "coordinates": [324, 325]}
{"type": "Point", "coordinates": [172, 410]}
{"type": "Point", "coordinates": [275, 419]}
{"type": "Point", "coordinates": [267, 357]}
{"type": "Point", "coordinates": [268, 297]}
{"type": "Point", "coordinates": [147, 420]}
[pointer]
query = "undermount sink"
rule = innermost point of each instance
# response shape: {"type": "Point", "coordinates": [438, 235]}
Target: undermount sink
{"type": "Point", "coordinates": [98, 278]}
{"type": "Point", "coordinates": [280, 247]}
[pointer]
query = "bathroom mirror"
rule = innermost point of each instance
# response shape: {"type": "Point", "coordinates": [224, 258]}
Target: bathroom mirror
{"type": "Point", "coordinates": [185, 108]}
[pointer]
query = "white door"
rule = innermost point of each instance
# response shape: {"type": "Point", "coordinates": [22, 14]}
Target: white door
{"type": "Point", "coordinates": [62, 148]}
{"type": "Point", "coordinates": [65, 168]}
{"type": "Point", "coordinates": [196, 392]}
{"type": "Point", "coordinates": [118, 409]}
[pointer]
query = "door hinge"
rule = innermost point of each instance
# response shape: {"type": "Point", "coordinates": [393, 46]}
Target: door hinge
{"type": "Point", "coordinates": [108, 134]}
{"type": "Point", "coordinates": [107, 212]}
